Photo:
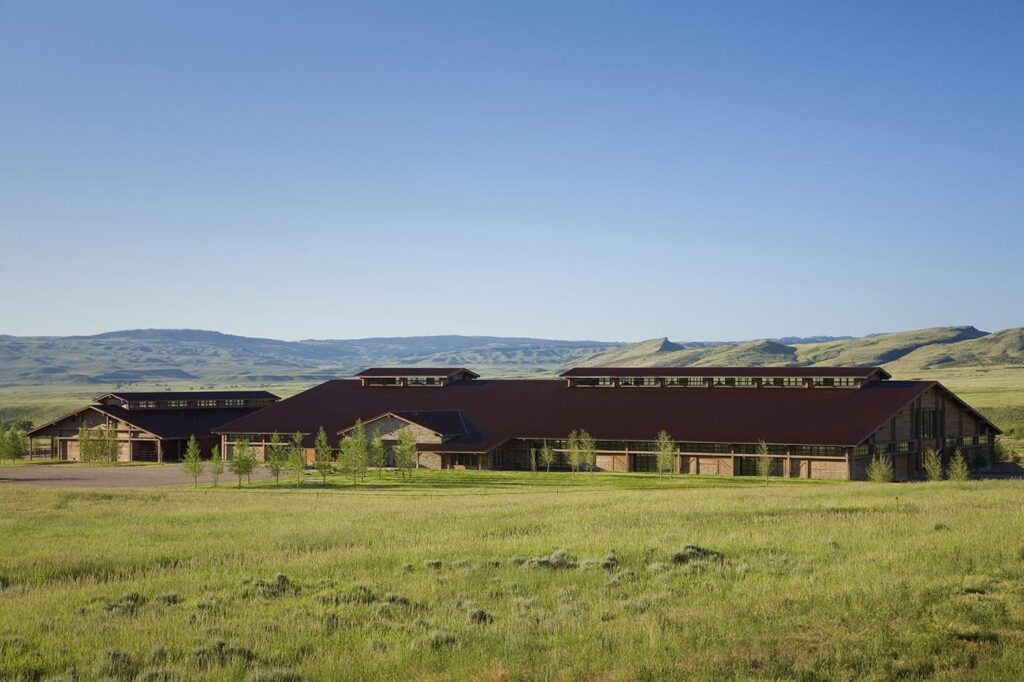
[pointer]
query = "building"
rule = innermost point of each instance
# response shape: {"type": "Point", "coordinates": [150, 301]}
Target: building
{"type": "Point", "coordinates": [152, 426]}
{"type": "Point", "coordinates": [817, 422]}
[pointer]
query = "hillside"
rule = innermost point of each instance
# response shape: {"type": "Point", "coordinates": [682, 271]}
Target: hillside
{"type": "Point", "coordinates": [205, 358]}
{"type": "Point", "coordinates": [901, 352]}
{"type": "Point", "coordinates": [1001, 348]}
{"type": "Point", "coordinates": [159, 355]}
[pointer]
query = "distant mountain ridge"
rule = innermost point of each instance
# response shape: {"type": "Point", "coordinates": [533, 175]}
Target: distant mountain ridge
{"type": "Point", "coordinates": [200, 357]}
{"type": "Point", "coordinates": [209, 357]}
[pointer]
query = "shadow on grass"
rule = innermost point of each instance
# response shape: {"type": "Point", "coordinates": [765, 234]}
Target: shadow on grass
{"type": "Point", "coordinates": [484, 482]}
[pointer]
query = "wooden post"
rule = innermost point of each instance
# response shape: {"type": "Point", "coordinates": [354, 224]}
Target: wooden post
{"type": "Point", "coordinates": [160, 451]}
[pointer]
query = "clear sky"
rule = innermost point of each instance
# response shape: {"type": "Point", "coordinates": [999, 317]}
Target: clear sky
{"type": "Point", "coordinates": [603, 170]}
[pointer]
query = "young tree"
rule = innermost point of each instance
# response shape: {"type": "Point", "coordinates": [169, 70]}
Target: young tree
{"type": "Point", "coordinates": [216, 464]}
{"type": "Point", "coordinates": [764, 461]}
{"type": "Point", "coordinates": [323, 455]}
{"type": "Point", "coordinates": [297, 458]}
{"type": "Point", "coordinates": [111, 449]}
{"type": "Point", "coordinates": [932, 465]}
{"type": "Point", "coordinates": [666, 453]}
{"type": "Point", "coordinates": [880, 469]}
{"type": "Point", "coordinates": [588, 449]}
{"type": "Point", "coordinates": [192, 464]}
{"type": "Point", "coordinates": [353, 452]}
{"type": "Point", "coordinates": [242, 460]}
{"type": "Point", "coordinates": [573, 451]}
{"type": "Point", "coordinates": [547, 455]}
{"type": "Point", "coordinates": [958, 467]}
{"type": "Point", "coordinates": [12, 444]}
{"type": "Point", "coordinates": [405, 452]}
{"type": "Point", "coordinates": [84, 444]}
{"type": "Point", "coordinates": [377, 454]}
{"type": "Point", "coordinates": [275, 457]}
{"type": "Point", "coordinates": [533, 459]}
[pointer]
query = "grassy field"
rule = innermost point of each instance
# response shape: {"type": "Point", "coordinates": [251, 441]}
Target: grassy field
{"type": "Point", "coordinates": [457, 575]}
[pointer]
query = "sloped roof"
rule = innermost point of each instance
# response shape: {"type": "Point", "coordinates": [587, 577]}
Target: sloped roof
{"type": "Point", "coordinates": [415, 372]}
{"type": "Point", "coordinates": [443, 422]}
{"type": "Point", "coordinates": [857, 372]}
{"type": "Point", "coordinates": [495, 410]}
{"type": "Point", "coordinates": [175, 423]}
{"type": "Point", "coordinates": [163, 423]}
{"type": "Point", "coordinates": [146, 396]}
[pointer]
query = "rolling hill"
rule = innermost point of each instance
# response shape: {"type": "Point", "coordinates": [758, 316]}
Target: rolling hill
{"type": "Point", "coordinates": [162, 356]}
{"type": "Point", "coordinates": [154, 356]}
{"type": "Point", "coordinates": [901, 352]}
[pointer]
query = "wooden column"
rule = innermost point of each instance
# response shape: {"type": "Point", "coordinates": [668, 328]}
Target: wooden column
{"type": "Point", "coordinates": [160, 451]}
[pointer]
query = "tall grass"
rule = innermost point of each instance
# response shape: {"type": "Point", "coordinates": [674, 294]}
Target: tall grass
{"type": "Point", "coordinates": [446, 578]}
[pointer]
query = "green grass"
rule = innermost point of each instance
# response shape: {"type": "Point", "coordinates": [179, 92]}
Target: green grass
{"type": "Point", "coordinates": [818, 580]}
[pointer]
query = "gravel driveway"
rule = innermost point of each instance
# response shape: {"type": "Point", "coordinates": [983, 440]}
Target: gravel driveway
{"type": "Point", "coordinates": [66, 475]}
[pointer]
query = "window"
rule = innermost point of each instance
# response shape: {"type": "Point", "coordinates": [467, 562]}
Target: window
{"type": "Point", "coordinates": [824, 382]}
{"type": "Point", "coordinates": [929, 423]}
{"type": "Point", "coordinates": [638, 381]}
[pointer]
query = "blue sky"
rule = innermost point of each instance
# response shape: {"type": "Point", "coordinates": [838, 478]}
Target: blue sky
{"type": "Point", "coordinates": [621, 171]}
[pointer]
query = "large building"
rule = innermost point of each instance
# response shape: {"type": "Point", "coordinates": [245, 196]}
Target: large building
{"type": "Point", "coordinates": [151, 426]}
{"type": "Point", "coordinates": [817, 422]}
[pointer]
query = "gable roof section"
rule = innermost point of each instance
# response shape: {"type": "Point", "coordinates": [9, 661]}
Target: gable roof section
{"type": "Point", "coordinates": [146, 396]}
{"type": "Point", "coordinates": [446, 372]}
{"type": "Point", "coordinates": [857, 372]}
{"type": "Point", "coordinates": [174, 423]}
{"type": "Point", "coordinates": [444, 423]}
{"type": "Point", "coordinates": [40, 430]}
{"type": "Point", "coordinates": [495, 410]}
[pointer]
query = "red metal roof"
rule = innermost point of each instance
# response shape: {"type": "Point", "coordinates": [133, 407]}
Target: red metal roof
{"type": "Point", "coordinates": [859, 372]}
{"type": "Point", "coordinates": [495, 410]}
{"type": "Point", "coordinates": [152, 396]}
{"type": "Point", "coordinates": [415, 372]}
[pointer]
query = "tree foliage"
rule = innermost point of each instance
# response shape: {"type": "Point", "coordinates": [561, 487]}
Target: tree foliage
{"type": "Point", "coordinates": [588, 449]}
{"type": "Point", "coordinates": [932, 465]}
{"type": "Point", "coordinates": [12, 444]}
{"type": "Point", "coordinates": [296, 458]}
{"type": "Point", "coordinates": [275, 457]}
{"type": "Point", "coordinates": [546, 455]}
{"type": "Point", "coordinates": [377, 453]}
{"type": "Point", "coordinates": [354, 449]}
{"type": "Point", "coordinates": [667, 452]}
{"type": "Point", "coordinates": [764, 461]}
{"type": "Point", "coordinates": [958, 470]}
{"type": "Point", "coordinates": [243, 460]}
{"type": "Point", "coordinates": [880, 469]}
{"type": "Point", "coordinates": [323, 455]}
{"type": "Point", "coordinates": [405, 452]}
{"type": "Point", "coordinates": [192, 464]}
{"type": "Point", "coordinates": [216, 464]}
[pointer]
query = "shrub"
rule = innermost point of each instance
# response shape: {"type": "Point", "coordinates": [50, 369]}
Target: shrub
{"type": "Point", "coordinates": [880, 469]}
{"type": "Point", "coordinates": [436, 640]}
{"type": "Point", "coordinates": [958, 467]}
{"type": "Point", "coordinates": [692, 553]}
{"type": "Point", "coordinates": [932, 465]}
{"type": "Point", "coordinates": [116, 664]}
{"type": "Point", "coordinates": [127, 605]}
{"type": "Point", "coordinates": [220, 653]}
{"type": "Point", "coordinates": [480, 617]}
{"type": "Point", "coordinates": [610, 562]}
{"type": "Point", "coordinates": [433, 563]}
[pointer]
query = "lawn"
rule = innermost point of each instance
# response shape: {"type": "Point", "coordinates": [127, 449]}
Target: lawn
{"type": "Point", "coordinates": [457, 575]}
